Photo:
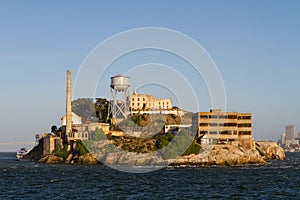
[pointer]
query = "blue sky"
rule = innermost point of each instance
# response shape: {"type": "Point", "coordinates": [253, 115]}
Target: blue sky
{"type": "Point", "coordinates": [255, 45]}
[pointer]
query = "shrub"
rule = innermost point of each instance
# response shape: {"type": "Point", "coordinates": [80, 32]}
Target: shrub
{"type": "Point", "coordinates": [193, 149]}
{"type": "Point", "coordinates": [81, 149]}
{"type": "Point", "coordinates": [63, 152]}
{"type": "Point", "coordinates": [163, 140]}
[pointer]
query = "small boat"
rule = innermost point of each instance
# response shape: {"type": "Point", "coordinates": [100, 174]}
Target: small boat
{"type": "Point", "coordinates": [21, 152]}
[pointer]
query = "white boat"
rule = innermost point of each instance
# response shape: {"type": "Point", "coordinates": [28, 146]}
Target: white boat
{"type": "Point", "coordinates": [21, 152]}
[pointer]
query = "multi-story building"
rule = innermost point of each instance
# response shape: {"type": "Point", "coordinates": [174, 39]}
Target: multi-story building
{"type": "Point", "coordinates": [283, 139]}
{"type": "Point", "coordinates": [290, 135]}
{"type": "Point", "coordinates": [223, 127]}
{"type": "Point", "coordinates": [289, 132]}
{"type": "Point", "coordinates": [148, 102]}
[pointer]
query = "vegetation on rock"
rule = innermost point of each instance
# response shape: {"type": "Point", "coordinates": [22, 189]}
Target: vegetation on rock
{"type": "Point", "coordinates": [64, 153]}
{"type": "Point", "coordinates": [90, 110]}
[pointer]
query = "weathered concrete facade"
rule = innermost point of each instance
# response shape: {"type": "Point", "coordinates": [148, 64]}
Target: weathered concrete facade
{"type": "Point", "coordinates": [84, 131]}
{"type": "Point", "coordinates": [76, 119]}
{"type": "Point", "coordinates": [148, 102]}
{"type": "Point", "coordinates": [51, 143]}
{"type": "Point", "coordinates": [223, 127]}
{"type": "Point", "coordinates": [171, 127]}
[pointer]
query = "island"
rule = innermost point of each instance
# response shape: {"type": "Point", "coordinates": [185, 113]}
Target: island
{"type": "Point", "coordinates": [141, 130]}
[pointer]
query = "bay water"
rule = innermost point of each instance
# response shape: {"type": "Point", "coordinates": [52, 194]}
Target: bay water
{"type": "Point", "coordinates": [31, 180]}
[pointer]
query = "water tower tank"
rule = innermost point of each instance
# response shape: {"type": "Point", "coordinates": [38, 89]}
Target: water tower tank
{"type": "Point", "coordinates": [119, 82]}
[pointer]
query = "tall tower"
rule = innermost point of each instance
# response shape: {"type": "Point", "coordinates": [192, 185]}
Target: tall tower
{"type": "Point", "coordinates": [69, 105]}
{"type": "Point", "coordinates": [289, 132]}
{"type": "Point", "coordinates": [119, 102]}
{"type": "Point", "coordinates": [283, 136]}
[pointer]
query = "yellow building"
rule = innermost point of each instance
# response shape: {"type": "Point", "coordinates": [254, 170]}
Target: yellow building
{"type": "Point", "coordinates": [223, 127]}
{"type": "Point", "coordinates": [148, 102]}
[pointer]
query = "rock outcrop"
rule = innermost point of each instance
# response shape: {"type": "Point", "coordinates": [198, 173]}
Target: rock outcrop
{"type": "Point", "coordinates": [211, 155]}
{"type": "Point", "coordinates": [51, 159]}
{"type": "Point", "coordinates": [270, 150]}
{"type": "Point", "coordinates": [87, 158]}
{"type": "Point", "coordinates": [221, 155]}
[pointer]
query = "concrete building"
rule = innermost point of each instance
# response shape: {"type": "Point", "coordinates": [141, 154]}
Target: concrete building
{"type": "Point", "coordinates": [174, 127]}
{"type": "Point", "coordinates": [283, 139]}
{"type": "Point", "coordinates": [51, 143]}
{"type": "Point", "coordinates": [223, 127]}
{"type": "Point", "coordinates": [148, 102]}
{"type": "Point", "coordinates": [84, 131]}
{"type": "Point", "coordinates": [76, 119]}
{"type": "Point", "coordinates": [163, 112]}
{"type": "Point", "coordinates": [290, 132]}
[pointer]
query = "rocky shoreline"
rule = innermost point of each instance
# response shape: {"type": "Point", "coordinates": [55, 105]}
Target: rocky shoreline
{"type": "Point", "coordinates": [211, 155]}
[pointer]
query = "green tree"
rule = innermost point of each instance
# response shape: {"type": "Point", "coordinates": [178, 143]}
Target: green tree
{"type": "Point", "coordinates": [81, 149]}
{"type": "Point", "coordinates": [64, 153]}
{"type": "Point", "coordinates": [163, 140]}
{"type": "Point", "coordinates": [101, 107]}
{"type": "Point", "coordinates": [85, 108]}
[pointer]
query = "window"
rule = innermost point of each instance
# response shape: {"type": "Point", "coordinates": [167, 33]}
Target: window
{"type": "Point", "coordinates": [138, 104]}
{"type": "Point", "coordinates": [244, 132]}
{"type": "Point", "coordinates": [246, 117]}
{"type": "Point", "coordinates": [143, 99]}
{"type": "Point", "coordinates": [203, 124]}
{"type": "Point", "coordinates": [138, 99]}
{"type": "Point", "coordinates": [225, 132]}
{"type": "Point", "coordinates": [230, 124]}
{"type": "Point", "coordinates": [132, 99]}
{"type": "Point", "coordinates": [244, 125]}
{"type": "Point", "coordinates": [203, 117]}
{"type": "Point", "coordinates": [231, 116]}
{"type": "Point", "coordinates": [132, 104]}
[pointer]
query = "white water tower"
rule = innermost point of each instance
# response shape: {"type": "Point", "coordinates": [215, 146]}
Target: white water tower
{"type": "Point", "coordinates": [119, 102]}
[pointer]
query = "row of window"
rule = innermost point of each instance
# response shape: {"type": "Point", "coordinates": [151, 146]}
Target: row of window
{"type": "Point", "coordinates": [225, 124]}
{"type": "Point", "coordinates": [226, 132]}
{"type": "Point", "coordinates": [138, 104]}
{"type": "Point", "coordinates": [224, 117]}
{"type": "Point", "coordinates": [138, 99]}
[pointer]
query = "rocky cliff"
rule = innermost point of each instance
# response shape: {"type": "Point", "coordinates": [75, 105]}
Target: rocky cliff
{"type": "Point", "coordinates": [221, 155]}
{"type": "Point", "coordinates": [212, 155]}
{"type": "Point", "coordinates": [105, 152]}
{"type": "Point", "coordinates": [270, 150]}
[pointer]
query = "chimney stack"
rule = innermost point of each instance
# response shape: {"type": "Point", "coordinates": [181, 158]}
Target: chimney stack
{"type": "Point", "coordinates": [69, 105]}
